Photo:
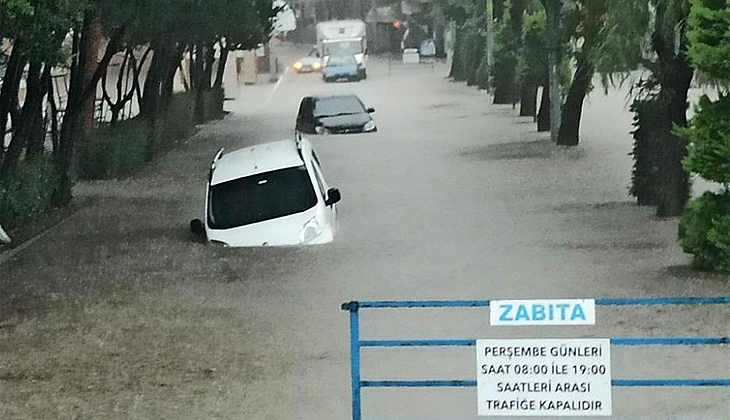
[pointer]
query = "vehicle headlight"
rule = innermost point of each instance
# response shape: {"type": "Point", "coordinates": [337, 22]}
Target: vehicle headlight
{"type": "Point", "coordinates": [369, 126]}
{"type": "Point", "coordinates": [316, 66]}
{"type": "Point", "coordinates": [321, 130]}
{"type": "Point", "coordinates": [298, 65]}
{"type": "Point", "coordinates": [310, 230]}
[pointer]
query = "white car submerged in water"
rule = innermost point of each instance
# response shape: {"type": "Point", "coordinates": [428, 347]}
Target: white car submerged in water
{"type": "Point", "coordinates": [269, 194]}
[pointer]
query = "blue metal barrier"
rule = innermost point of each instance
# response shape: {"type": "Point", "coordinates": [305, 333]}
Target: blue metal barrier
{"type": "Point", "coordinates": [356, 344]}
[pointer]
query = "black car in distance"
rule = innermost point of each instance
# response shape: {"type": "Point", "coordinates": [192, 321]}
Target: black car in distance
{"type": "Point", "coordinates": [337, 114]}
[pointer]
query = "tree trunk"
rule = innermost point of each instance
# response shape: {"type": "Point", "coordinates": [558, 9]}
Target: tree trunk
{"type": "Point", "coordinates": [23, 128]}
{"type": "Point", "coordinates": [204, 82]}
{"type": "Point", "coordinates": [221, 71]}
{"type": "Point", "coordinates": [504, 82]}
{"type": "Point", "coordinates": [172, 63]}
{"type": "Point", "coordinates": [476, 52]}
{"type": "Point", "coordinates": [552, 12]}
{"type": "Point", "coordinates": [37, 134]}
{"type": "Point", "coordinates": [69, 127]}
{"type": "Point", "coordinates": [9, 90]}
{"type": "Point", "coordinates": [573, 107]}
{"type": "Point", "coordinates": [543, 117]}
{"type": "Point", "coordinates": [674, 74]}
{"type": "Point", "coordinates": [53, 109]}
{"type": "Point", "coordinates": [673, 191]}
{"type": "Point", "coordinates": [136, 72]}
{"type": "Point", "coordinates": [208, 69]}
{"type": "Point", "coordinates": [528, 99]}
{"type": "Point", "coordinates": [158, 88]}
{"type": "Point", "coordinates": [79, 93]}
{"type": "Point", "coordinates": [456, 63]}
{"type": "Point", "coordinates": [150, 92]}
{"type": "Point", "coordinates": [91, 43]}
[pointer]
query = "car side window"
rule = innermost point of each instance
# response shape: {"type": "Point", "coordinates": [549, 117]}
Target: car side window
{"type": "Point", "coordinates": [302, 109]}
{"type": "Point", "coordinates": [318, 176]}
{"type": "Point", "coordinates": [310, 108]}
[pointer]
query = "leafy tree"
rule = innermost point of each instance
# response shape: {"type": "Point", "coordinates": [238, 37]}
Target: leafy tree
{"type": "Point", "coordinates": [508, 42]}
{"type": "Point", "coordinates": [37, 29]}
{"type": "Point", "coordinates": [705, 228]}
{"type": "Point", "coordinates": [165, 29]}
{"type": "Point", "coordinates": [586, 22]}
{"type": "Point", "coordinates": [532, 60]}
{"type": "Point", "coordinates": [653, 33]}
{"type": "Point", "coordinates": [469, 54]}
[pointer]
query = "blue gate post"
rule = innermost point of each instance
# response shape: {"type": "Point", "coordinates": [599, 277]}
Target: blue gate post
{"type": "Point", "coordinates": [354, 357]}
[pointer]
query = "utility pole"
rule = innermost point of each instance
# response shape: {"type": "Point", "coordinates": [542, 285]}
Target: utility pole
{"type": "Point", "coordinates": [272, 60]}
{"type": "Point", "coordinates": [552, 11]}
{"type": "Point", "coordinates": [490, 41]}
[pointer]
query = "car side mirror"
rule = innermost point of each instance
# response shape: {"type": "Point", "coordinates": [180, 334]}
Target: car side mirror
{"type": "Point", "coordinates": [371, 110]}
{"type": "Point", "coordinates": [333, 196]}
{"type": "Point", "coordinates": [196, 227]}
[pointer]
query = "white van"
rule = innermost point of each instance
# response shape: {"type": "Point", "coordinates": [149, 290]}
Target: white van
{"type": "Point", "coordinates": [269, 194]}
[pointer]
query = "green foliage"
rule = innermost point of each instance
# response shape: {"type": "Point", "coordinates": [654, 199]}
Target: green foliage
{"type": "Point", "coordinates": [704, 232]}
{"type": "Point", "coordinates": [40, 25]}
{"type": "Point", "coordinates": [456, 10]}
{"type": "Point", "coordinates": [116, 151]}
{"type": "Point", "coordinates": [709, 37]}
{"type": "Point", "coordinates": [12, 9]}
{"type": "Point", "coordinates": [625, 39]}
{"type": "Point", "coordinates": [475, 50]}
{"type": "Point", "coordinates": [506, 47]}
{"type": "Point", "coordinates": [469, 50]}
{"type": "Point", "coordinates": [645, 172]}
{"type": "Point", "coordinates": [708, 135]}
{"type": "Point", "coordinates": [179, 119]}
{"type": "Point", "coordinates": [120, 150]}
{"type": "Point", "coordinates": [27, 192]}
{"type": "Point", "coordinates": [482, 76]}
{"type": "Point", "coordinates": [242, 23]}
{"type": "Point", "coordinates": [533, 57]}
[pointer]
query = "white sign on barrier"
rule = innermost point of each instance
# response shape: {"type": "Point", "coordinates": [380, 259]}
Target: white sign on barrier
{"type": "Point", "coordinates": [542, 312]}
{"type": "Point", "coordinates": [544, 377]}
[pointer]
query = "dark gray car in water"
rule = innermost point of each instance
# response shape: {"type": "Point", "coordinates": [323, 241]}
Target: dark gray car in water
{"type": "Point", "coordinates": [337, 114]}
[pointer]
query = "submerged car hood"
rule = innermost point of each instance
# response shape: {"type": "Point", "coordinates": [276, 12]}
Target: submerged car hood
{"type": "Point", "coordinates": [353, 120]}
{"type": "Point", "coordinates": [280, 231]}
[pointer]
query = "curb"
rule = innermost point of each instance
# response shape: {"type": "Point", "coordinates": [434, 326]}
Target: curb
{"type": "Point", "coordinates": [8, 255]}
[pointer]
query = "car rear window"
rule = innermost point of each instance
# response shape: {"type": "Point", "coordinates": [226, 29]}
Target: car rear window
{"type": "Point", "coordinates": [260, 197]}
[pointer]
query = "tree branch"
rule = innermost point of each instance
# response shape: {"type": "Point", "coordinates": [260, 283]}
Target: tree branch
{"type": "Point", "coordinates": [111, 49]}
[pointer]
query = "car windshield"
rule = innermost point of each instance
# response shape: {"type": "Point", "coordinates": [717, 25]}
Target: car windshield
{"type": "Point", "coordinates": [260, 197]}
{"type": "Point", "coordinates": [341, 61]}
{"type": "Point", "coordinates": [337, 105]}
{"type": "Point", "coordinates": [342, 47]}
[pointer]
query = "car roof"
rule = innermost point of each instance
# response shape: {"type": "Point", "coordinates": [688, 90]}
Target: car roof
{"type": "Point", "coordinates": [321, 97]}
{"type": "Point", "coordinates": [257, 159]}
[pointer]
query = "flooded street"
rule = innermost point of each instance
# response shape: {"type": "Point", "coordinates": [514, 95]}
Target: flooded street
{"type": "Point", "coordinates": [118, 314]}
